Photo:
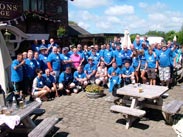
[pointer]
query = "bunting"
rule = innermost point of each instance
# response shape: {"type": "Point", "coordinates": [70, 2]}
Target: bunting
{"type": "Point", "coordinates": [23, 17]}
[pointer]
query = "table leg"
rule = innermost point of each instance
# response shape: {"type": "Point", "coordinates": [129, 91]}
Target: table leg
{"type": "Point", "coordinates": [168, 118]}
{"type": "Point", "coordinates": [134, 103]}
{"type": "Point", "coordinates": [28, 122]}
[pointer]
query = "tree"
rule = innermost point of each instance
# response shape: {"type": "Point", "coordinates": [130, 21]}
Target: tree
{"type": "Point", "coordinates": [169, 35]}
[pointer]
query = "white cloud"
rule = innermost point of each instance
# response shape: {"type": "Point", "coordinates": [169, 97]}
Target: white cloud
{"type": "Point", "coordinates": [120, 10]}
{"type": "Point", "coordinates": [142, 5]}
{"type": "Point", "coordinates": [89, 3]}
{"type": "Point", "coordinates": [83, 25]}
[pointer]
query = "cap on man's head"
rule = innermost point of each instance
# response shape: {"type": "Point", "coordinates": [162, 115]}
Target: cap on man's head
{"type": "Point", "coordinates": [42, 47]}
{"type": "Point", "coordinates": [92, 46]}
{"type": "Point", "coordinates": [90, 58]}
{"type": "Point", "coordinates": [164, 45]}
{"type": "Point", "coordinates": [65, 49]}
{"type": "Point", "coordinates": [71, 46]}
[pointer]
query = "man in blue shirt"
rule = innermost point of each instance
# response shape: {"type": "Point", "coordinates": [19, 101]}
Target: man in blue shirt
{"type": "Point", "coordinates": [30, 71]}
{"type": "Point", "coordinates": [80, 79]}
{"type": "Point", "coordinates": [128, 73]}
{"type": "Point", "coordinates": [164, 58]}
{"type": "Point", "coordinates": [43, 56]}
{"type": "Point", "coordinates": [127, 55]}
{"type": "Point", "coordinates": [114, 68]}
{"type": "Point", "coordinates": [118, 56]}
{"type": "Point", "coordinates": [54, 63]}
{"type": "Point", "coordinates": [66, 61]}
{"type": "Point", "coordinates": [66, 80]}
{"type": "Point", "coordinates": [90, 70]}
{"type": "Point", "coordinates": [137, 43]}
{"type": "Point", "coordinates": [51, 83]}
{"type": "Point", "coordinates": [108, 56]}
{"type": "Point", "coordinates": [17, 74]}
{"type": "Point", "coordinates": [95, 56]}
{"type": "Point", "coordinates": [51, 45]}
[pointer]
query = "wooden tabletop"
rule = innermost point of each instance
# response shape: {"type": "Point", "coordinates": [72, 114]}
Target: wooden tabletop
{"type": "Point", "coordinates": [27, 110]}
{"type": "Point", "coordinates": [148, 91]}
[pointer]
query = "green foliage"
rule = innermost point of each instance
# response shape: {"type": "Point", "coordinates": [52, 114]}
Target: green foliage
{"type": "Point", "coordinates": [132, 37]}
{"type": "Point", "coordinates": [61, 31]}
{"type": "Point", "coordinates": [72, 22]}
{"type": "Point", "coordinates": [93, 88]}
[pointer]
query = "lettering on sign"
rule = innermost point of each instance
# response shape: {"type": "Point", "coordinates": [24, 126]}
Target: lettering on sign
{"type": "Point", "coordinates": [8, 9]}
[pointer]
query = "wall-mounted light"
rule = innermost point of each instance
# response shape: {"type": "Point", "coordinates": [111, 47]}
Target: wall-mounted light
{"type": "Point", "coordinates": [7, 35]}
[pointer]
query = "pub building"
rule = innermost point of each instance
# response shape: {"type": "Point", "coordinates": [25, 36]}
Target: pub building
{"type": "Point", "coordinates": [27, 20]}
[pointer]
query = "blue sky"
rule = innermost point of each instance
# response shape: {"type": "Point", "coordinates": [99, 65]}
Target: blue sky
{"type": "Point", "coordinates": [138, 16]}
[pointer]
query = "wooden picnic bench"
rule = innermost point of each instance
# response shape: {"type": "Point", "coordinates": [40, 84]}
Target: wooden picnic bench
{"type": "Point", "coordinates": [171, 109]}
{"type": "Point", "coordinates": [129, 113]}
{"type": "Point", "coordinates": [44, 127]}
{"type": "Point", "coordinates": [37, 112]}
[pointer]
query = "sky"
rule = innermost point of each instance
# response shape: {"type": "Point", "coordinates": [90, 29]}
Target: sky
{"type": "Point", "coordinates": [137, 16]}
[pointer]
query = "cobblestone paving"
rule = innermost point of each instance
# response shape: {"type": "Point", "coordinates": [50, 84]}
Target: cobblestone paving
{"type": "Point", "coordinates": [84, 117]}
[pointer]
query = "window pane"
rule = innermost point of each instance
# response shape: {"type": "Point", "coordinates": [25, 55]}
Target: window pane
{"type": "Point", "coordinates": [34, 5]}
{"type": "Point", "coordinates": [41, 5]}
{"type": "Point", "coordinates": [26, 5]}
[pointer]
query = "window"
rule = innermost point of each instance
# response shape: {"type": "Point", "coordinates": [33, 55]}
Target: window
{"type": "Point", "coordinates": [33, 5]}
{"type": "Point", "coordinates": [26, 5]}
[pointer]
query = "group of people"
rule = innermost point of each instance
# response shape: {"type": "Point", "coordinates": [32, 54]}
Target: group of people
{"type": "Point", "coordinates": [47, 69]}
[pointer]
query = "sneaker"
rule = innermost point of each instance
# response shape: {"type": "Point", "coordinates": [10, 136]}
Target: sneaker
{"type": "Point", "coordinates": [75, 90]}
{"type": "Point", "coordinates": [38, 100]}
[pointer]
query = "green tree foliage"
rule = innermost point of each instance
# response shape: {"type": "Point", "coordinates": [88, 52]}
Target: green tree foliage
{"type": "Point", "coordinates": [169, 35]}
{"type": "Point", "coordinates": [155, 33]}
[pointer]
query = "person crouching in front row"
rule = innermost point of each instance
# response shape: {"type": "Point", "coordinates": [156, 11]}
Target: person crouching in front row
{"type": "Point", "coordinates": [66, 80]}
{"type": "Point", "coordinates": [39, 89]}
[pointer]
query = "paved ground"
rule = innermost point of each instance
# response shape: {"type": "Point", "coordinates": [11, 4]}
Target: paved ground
{"type": "Point", "coordinates": [84, 117]}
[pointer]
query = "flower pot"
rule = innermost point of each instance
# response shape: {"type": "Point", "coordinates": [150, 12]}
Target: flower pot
{"type": "Point", "coordinates": [94, 95]}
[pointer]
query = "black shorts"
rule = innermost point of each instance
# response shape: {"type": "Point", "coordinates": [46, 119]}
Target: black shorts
{"type": "Point", "coordinates": [17, 86]}
{"type": "Point", "coordinates": [151, 74]}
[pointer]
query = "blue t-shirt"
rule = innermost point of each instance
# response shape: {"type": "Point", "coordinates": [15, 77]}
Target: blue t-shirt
{"type": "Point", "coordinates": [117, 70]}
{"type": "Point", "coordinates": [127, 55]}
{"type": "Point", "coordinates": [127, 71]}
{"type": "Point", "coordinates": [43, 58]}
{"type": "Point", "coordinates": [16, 75]}
{"type": "Point", "coordinates": [142, 61]}
{"type": "Point", "coordinates": [40, 82]}
{"type": "Point", "coordinates": [65, 57]}
{"type": "Point", "coordinates": [96, 59]}
{"type": "Point", "coordinates": [135, 62]}
{"type": "Point", "coordinates": [79, 75]}
{"type": "Point", "coordinates": [80, 52]}
{"type": "Point", "coordinates": [108, 56]}
{"type": "Point", "coordinates": [89, 68]}
{"type": "Point", "coordinates": [65, 78]}
{"type": "Point", "coordinates": [118, 55]}
{"type": "Point", "coordinates": [164, 58]}
{"type": "Point", "coordinates": [38, 62]}
{"type": "Point", "coordinates": [86, 54]}
{"type": "Point", "coordinates": [31, 67]}
{"type": "Point", "coordinates": [151, 60]}
{"type": "Point", "coordinates": [49, 45]}
{"type": "Point", "coordinates": [49, 80]}
{"type": "Point", "coordinates": [101, 52]}
{"type": "Point", "coordinates": [55, 61]}
{"type": "Point", "coordinates": [137, 46]}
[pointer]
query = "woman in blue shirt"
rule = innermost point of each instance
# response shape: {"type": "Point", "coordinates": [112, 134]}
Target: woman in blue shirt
{"type": "Point", "coordinates": [136, 65]}
{"type": "Point", "coordinates": [39, 89]}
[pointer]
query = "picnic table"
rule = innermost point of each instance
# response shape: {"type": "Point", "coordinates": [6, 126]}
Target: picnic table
{"type": "Point", "coordinates": [141, 95]}
{"type": "Point", "coordinates": [24, 117]}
